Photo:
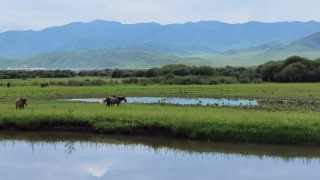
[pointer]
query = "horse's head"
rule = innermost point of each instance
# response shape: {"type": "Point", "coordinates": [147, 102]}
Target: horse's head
{"type": "Point", "coordinates": [24, 101]}
{"type": "Point", "coordinates": [122, 98]}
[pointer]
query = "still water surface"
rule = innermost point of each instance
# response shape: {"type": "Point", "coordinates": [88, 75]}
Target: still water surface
{"type": "Point", "coordinates": [181, 101]}
{"type": "Point", "coordinates": [59, 155]}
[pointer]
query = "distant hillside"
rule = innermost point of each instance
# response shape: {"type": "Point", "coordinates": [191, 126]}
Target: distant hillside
{"type": "Point", "coordinates": [311, 42]}
{"type": "Point", "coordinates": [308, 47]}
{"type": "Point", "coordinates": [6, 63]}
{"type": "Point", "coordinates": [147, 55]}
{"type": "Point", "coordinates": [204, 36]}
{"type": "Point", "coordinates": [107, 58]}
{"type": "Point", "coordinates": [102, 44]}
{"type": "Point", "coordinates": [179, 50]}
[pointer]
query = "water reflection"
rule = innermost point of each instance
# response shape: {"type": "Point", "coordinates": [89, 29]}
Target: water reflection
{"type": "Point", "coordinates": [181, 101]}
{"type": "Point", "coordinates": [50, 155]}
{"type": "Point", "coordinates": [69, 147]}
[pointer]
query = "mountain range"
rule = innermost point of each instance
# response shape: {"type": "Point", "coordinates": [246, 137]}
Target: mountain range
{"type": "Point", "coordinates": [107, 44]}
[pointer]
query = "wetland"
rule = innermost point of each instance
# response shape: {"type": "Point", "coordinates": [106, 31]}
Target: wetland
{"type": "Point", "coordinates": [179, 101]}
{"type": "Point", "coordinates": [284, 114]}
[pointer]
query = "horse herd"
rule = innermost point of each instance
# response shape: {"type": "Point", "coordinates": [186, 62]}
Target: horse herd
{"type": "Point", "coordinates": [9, 84]}
{"type": "Point", "coordinates": [110, 101]}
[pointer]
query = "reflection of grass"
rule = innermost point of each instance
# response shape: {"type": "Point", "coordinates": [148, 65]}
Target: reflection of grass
{"type": "Point", "coordinates": [222, 124]}
{"type": "Point", "coordinates": [91, 140]}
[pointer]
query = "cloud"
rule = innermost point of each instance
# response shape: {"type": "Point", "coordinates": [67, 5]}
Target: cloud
{"type": "Point", "coordinates": [97, 170]}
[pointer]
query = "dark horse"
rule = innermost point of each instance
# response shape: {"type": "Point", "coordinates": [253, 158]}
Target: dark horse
{"type": "Point", "coordinates": [9, 84]}
{"type": "Point", "coordinates": [114, 100]}
{"type": "Point", "coordinates": [44, 85]}
{"type": "Point", "coordinates": [20, 103]}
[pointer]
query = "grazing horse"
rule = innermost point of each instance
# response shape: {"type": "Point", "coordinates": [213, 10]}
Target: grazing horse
{"type": "Point", "coordinates": [44, 85]}
{"type": "Point", "coordinates": [20, 103]}
{"type": "Point", "coordinates": [9, 84]}
{"type": "Point", "coordinates": [114, 100]}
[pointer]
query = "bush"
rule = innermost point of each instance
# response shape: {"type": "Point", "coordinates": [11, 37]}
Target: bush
{"type": "Point", "coordinates": [229, 80]}
{"type": "Point", "coordinates": [146, 82]}
{"type": "Point", "coordinates": [130, 81]}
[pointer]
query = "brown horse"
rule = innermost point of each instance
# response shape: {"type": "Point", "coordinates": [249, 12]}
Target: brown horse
{"type": "Point", "coordinates": [20, 103]}
{"type": "Point", "coordinates": [114, 100]}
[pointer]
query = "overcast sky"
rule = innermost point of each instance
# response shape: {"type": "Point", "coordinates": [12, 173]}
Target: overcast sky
{"type": "Point", "coordinates": [39, 14]}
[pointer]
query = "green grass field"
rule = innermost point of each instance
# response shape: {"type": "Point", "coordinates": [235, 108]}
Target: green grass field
{"type": "Point", "coordinates": [258, 125]}
{"type": "Point", "coordinates": [31, 90]}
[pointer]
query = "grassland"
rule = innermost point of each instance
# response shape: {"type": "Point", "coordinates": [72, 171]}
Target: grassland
{"type": "Point", "coordinates": [299, 125]}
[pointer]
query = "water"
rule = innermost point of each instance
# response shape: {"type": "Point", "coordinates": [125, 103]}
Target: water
{"type": "Point", "coordinates": [59, 155]}
{"type": "Point", "coordinates": [181, 101]}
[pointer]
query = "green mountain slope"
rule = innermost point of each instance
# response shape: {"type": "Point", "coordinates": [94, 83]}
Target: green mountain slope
{"type": "Point", "coordinates": [308, 47]}
{"type": "Point", "coordinates": [105, 34]}
{"type": "Point", "coordinates": [308, 43]}
{"type": "Point", "coordinates": [108, 58]}
{"type": "Point", "coordinates": [151, 55]}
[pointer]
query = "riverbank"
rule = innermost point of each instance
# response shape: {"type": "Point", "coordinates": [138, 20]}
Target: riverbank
{"type": "Point", "coordinates": [190, 122]}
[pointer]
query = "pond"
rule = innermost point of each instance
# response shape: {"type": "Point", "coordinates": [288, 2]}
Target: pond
{"type": "Point", "coordinates": [61, 155]}
{"type": "Point", "coordinates": [180, 101]}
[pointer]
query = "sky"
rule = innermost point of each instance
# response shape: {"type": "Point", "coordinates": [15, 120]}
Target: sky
{"type": "Point", "coordinates": [40, 14]}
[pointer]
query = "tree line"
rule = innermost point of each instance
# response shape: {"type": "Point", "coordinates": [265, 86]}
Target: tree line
{"type": "Point", "coordinates": [23, 74]}
{"type": "Point", "coordinates": [292, 69]}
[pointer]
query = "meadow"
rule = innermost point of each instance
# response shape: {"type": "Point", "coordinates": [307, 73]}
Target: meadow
{"type": "Point", "coordinates": [263, 124]}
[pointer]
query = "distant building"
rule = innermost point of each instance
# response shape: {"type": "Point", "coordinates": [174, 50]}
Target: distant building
{"type": "Point", "coordinates": [25, 68]}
